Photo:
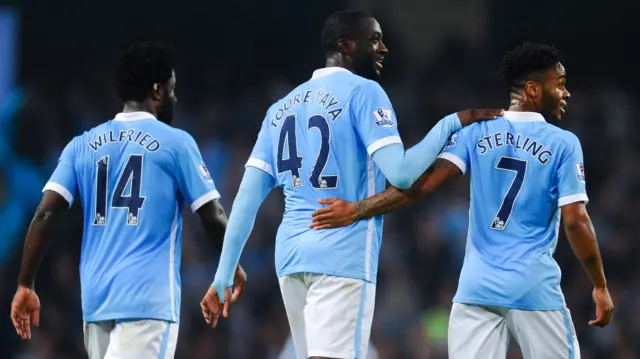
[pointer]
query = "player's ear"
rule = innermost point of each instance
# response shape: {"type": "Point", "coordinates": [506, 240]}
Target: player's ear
{"type": "Point", "coordinates": [157, 92]}
{"type": "Point", "coordinates": [346, 46]}
{"type": "Point", "coordinates": [532, 89]}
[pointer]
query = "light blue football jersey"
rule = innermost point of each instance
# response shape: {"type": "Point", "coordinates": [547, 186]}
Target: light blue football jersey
{"type": "Point", "coordinates": [133, 175]}
{"type": "Point", "coordinates": [523, 170]}
{"type": "Point", "coordinates": [316, 143]}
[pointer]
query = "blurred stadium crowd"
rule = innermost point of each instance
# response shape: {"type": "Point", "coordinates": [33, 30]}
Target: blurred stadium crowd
{"type": "Point", "coordinates": [422, 248]}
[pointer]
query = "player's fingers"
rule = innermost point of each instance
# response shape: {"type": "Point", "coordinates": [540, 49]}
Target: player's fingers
{"type": "Point", "coordinates": [227, 301]}
{"type": "Point", "coordinates": [489, 113]}
{"type": "Point", "coordinates": [237, 292]}
{"type": "Point", "coordinates": [321, 211]}
{"type": "Point", "coordinates": [36, 317]}
{"type": "Point", "coordinates": [322, 217]}
{"type": "Point", "coordinates": [26, 327]}
{"type": "Point", "coordinates": [206, 314]}
{"type": "Point", "coordinates": [324, 226]}
{"type": "Point", "coordinates": [328, 200]}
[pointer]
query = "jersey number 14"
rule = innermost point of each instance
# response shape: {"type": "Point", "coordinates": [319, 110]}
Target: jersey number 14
{"type": "Point", "coordinates": [293, 163]}
{"type": "Point", "coordinates": [130, 177]}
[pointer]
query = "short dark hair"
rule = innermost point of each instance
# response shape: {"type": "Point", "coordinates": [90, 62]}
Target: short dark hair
{"type": "Point", "coordinates": [344, 23]}
{"type": "Point", "coordinates": [141, 66]}
{"type": "Point", "coordinates": [526, 59]}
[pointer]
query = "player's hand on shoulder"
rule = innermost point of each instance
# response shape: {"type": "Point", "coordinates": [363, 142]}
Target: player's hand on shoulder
{"type": "Point", "coordinates": [470, 116]}
{"type": "Point", "coordinates": [604, 307]}
{"type": "Point", "coordinates": [339, 213]}
{"type": "Point", "coordinates": [25, 308]}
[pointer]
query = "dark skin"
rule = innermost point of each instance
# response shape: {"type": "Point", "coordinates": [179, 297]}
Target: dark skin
{"type": "Point", "coordinates": [26, 304]}
{"type": "Point", "coordinates": [545, 94]}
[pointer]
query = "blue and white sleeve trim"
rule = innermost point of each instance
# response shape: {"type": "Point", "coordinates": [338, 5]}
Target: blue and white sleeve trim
{"type": "Point", "coordinates": [385, 141]}
{"type": "Point", "coordinates": [59, 189]}
{"type": "Point", "coordinates": [455, 160]}
{"type": "Point", "coordinates": [209, 196]}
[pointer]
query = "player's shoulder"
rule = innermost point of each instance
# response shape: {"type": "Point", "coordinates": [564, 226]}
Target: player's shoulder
{"type": "Point", "coordinates": [564, 137]}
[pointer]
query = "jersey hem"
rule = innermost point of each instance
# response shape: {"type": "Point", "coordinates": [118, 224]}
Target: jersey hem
{"type": "Point", "coordinates": [312, 270]}
{"type": "Point", "coordinates": [128, 316]}
{"type": "Point", "coordinates": [476, 301]}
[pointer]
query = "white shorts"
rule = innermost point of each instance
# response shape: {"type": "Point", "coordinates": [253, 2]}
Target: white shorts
{"type": "Point", "coordinates": [482, 332]}
{"type": "Point", "coordinates": [140, 339]}
{"type": "Point", "coordinates": [329, 316]}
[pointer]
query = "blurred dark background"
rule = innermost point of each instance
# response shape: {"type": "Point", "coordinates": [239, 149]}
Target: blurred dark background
{"type": "Point", "coordinates": [57, 59]}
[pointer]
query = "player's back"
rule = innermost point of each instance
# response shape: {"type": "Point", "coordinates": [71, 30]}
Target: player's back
{"type": "Point", "coordinates": [518, 164]}
{"type": "Point", "coordinates": [129, 181]}
{"type": "Point", "coordinates": [315, 150]}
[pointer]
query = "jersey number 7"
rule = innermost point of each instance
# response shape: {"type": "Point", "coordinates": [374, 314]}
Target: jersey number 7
{"type": "Point", "coordinates": [293, 163]}
{"type": "Point", "coordinates": [131, 174]}
{"type": "Point", "coordinates": [504, 213]}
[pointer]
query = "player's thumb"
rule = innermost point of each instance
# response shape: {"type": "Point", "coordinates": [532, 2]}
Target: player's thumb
{"type": "Point", "coordinates": [328, 200]}
{"type": "Point", "coordinates": [35, 316]}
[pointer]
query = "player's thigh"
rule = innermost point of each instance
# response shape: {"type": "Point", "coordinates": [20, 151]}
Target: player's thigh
{"type": "Point", "coordinates": [544, 334]}
{"type": "Point", "coordinates": [143, 339]}
{"type": "Point", "coordinates": [96, 338]}
{"type": "Point", "coordinates": [294, 296]}
{"type": "Point", "coordinates": [477, 332]}
{"type": "Point", "coordinates": [338, 317]}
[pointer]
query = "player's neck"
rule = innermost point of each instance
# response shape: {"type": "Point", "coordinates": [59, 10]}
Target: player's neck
{"type": "Point", "coordinates": [517, 104]}
{"type": "Point", "coordinates": [133, 106]}
{"type": "Point", "coordinates": [337, 61]}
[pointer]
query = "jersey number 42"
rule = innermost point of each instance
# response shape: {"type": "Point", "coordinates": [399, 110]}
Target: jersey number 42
{"type": "Point", "coordinates": [292, 162]}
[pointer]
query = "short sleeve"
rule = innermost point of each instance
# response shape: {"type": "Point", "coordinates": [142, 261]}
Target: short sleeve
{"type": "Point", "coordinates": [194, 180]}
{"type": "Point", "coordinates": [571, 177]}
{"type": "Point", "coordinates": [373, 116]}
{"type": "Point", "coordinates": [261, 156]}
{"type": "Point", "coordinates": [63, 180]}
{"type": "Point", "coordinates": [456, 151]}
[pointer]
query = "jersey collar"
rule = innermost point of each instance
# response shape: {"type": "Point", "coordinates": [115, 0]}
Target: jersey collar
{"type": "Point", "coordinates": [134, 116]}
{"type": "Point", "coordinates": [517, 116]}
{"type": "Point", "coordinates": [327, 71]}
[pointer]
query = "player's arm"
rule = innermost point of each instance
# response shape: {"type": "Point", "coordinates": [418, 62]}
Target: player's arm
{"type": "Point", "coordinates": [58, 195]}
{"type": "Point", "coordinates": [254, 188]}
{"type": "Point", "coordinates": [214, 221]}
{"type": "Point", "coordinates": [375, 124]}
{"type": "Point", "coordinates": [342, 213]}
{"type": "Point", "coordinates": [256, 184]}
{"type": "Point", "coordinates": [579, 229]}
{"type": "Point", "coordinates": [39, 236]}
{"type": "Point", "coordinates": [452, 162]}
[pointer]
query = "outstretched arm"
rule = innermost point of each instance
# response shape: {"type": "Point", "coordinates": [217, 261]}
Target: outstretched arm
{"type": "Point", "coordinates": [254, 188]}
{"type": "Point", "coordinates": [341, 213]}
{"type": "Point", "coordinates": [402, 168]}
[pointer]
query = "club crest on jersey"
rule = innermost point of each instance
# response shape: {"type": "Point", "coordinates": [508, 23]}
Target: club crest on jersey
{"type": "Point", "coordinates": [205, 173]}
{"type": "Point", "coordinates": [580, 171]}
{"type": "Point", "coordinates": [383, 118]}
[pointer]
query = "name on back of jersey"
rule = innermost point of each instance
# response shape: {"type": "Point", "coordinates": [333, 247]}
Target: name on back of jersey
{"type": "Point", "coordinates": [139, 137]}
{"type": "Point", "coordinates": [320, 97]}
{"type": "Point", "coordinates": [533, 147]}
